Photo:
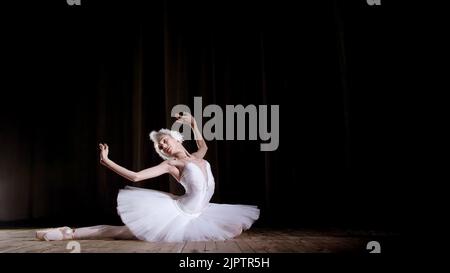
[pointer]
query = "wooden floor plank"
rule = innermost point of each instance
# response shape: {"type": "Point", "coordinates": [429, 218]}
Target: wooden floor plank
{"type": "Point", "coordinates": [210, 247]}
{"type": "Point", "coordinates": [244, 246]}
{"type": "Point", "coordinates": [227, 247]}
{"type": "Point", "coordinates": [171, 247]}
{"type": "Point", "coordinates": [255, 240]}
{"type": "Point", "coordinates": [194, 247]}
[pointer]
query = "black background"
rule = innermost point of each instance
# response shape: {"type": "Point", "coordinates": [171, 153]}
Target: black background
{"type": "Point", "coordinates": [337, 69]}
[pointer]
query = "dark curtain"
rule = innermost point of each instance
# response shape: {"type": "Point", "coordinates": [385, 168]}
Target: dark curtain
{"type": "Point", "coordinates": [111, 72]}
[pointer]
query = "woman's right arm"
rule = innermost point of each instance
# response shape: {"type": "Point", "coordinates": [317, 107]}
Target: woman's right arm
{"type": "Point", "coordinates": [130, 175]}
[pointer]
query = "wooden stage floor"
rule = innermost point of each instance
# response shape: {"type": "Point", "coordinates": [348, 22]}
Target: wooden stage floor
{"type": "Point", "coordinates": [256, 240]}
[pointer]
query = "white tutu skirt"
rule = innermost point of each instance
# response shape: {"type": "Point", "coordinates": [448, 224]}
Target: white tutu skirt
{"type": "Point", "coordinates": [156, 216]}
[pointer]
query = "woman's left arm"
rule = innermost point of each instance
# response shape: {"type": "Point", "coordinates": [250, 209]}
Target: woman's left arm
{"type": "Point", "coordinates": [201, 143]}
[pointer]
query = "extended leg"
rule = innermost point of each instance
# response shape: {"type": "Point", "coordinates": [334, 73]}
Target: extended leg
{"type": "Point", "coordinates": [104, 232]}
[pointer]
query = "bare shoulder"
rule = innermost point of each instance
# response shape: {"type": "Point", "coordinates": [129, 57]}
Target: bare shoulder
{"type": "Point", "coordinates": [200, 161]}
{"type": "Point", "coordinates": [173, 168]}
{"type": "Point", "coordinates": [165, 164]}
{"type": "Point", "coordinates": [200, 154]}
{"type": "Point", "coordinates": [198, 158]}
{"type": "Point", "coordinates": [175, 163]}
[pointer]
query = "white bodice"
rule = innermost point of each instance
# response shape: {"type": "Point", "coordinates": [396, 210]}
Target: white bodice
{"type": "Point", "coordinates": [198, 186]}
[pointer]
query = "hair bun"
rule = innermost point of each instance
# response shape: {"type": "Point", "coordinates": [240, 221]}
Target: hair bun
{"type": "Point", "coordinates": [155, 135]}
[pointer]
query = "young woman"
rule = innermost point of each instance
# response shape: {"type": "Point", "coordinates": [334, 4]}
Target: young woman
{"type": "Point", "coordinates": [152, 215]}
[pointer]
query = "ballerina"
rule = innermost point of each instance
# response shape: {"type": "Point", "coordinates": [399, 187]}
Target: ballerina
{"type": "Point", "coordinates": [156, 216]}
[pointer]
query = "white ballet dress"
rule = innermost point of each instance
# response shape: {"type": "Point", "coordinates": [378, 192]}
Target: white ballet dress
{"type": "Point", "coordinates": [157, 216]}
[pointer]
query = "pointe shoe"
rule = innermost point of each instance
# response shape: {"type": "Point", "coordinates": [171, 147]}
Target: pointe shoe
{"type": "Point", "coordinates": [55, 234]}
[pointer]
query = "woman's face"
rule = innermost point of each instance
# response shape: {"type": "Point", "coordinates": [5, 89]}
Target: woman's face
{"type": "Point", "coordinates": [169, 146]}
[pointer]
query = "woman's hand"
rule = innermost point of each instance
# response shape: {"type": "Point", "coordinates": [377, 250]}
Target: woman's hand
{"type": "Point", "coordinates": [185, 118]}
{"type": "Point", "coordinates": [104, 150]}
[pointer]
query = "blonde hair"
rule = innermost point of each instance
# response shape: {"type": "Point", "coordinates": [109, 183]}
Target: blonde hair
{"type": "Point", "coordinates": [155, 136]}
